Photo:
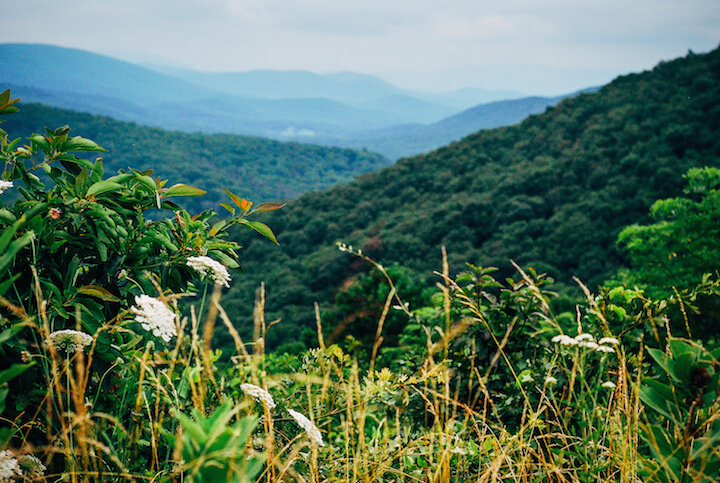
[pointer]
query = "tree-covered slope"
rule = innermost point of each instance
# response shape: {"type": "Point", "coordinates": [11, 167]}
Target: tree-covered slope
{"type": "Point", "coordinates": [255, 168]}
{"type": "Point", "coordinates": [552, 192]}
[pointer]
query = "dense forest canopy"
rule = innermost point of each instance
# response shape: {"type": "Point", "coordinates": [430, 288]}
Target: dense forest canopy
{"type": "Point", "coordinates": [552, 192]}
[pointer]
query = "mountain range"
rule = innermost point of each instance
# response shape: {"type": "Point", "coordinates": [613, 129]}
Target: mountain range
{"type": "Point", "coordinates": [343, 109]}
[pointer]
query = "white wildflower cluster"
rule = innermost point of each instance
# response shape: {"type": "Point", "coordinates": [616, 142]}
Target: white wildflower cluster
{"type": "Point", "coordinates": [9, 467]}
{"type": "Point", "coordinates": [312, 431]}
{"type": "Point", "coordinates": [259, 394]}
{"type": "Point", "coordinates": [70, 341]}
{"type": "Point", "coordinates": [588, 341]}
{"type": "Point", "coordinates": [31, 466]}
{"type": "Point", "coordinates": [206, 266]}
{"type": "Point", "coordinates": [5, 185]}
{"type": "Point", "coordinates": [154, 316]}
{"type": "Point", "coordinates": [550, 381]}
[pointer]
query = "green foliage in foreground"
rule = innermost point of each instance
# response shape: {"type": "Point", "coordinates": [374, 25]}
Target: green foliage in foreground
{"type": "Point", "coordinates": [487, 383]}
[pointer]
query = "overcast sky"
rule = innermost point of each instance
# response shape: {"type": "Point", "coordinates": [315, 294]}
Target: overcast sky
{"type": "Point", "coordinates": [434, 44]}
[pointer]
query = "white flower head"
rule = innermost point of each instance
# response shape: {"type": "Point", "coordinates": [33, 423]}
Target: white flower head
{"type": "Point", "coordinates": [582, 337]}
{"type": "Point", "coordinates": [206, 266]}
{"type": "Point", "coordinates": [609, 340]}
{"type": "Point", "coordinates": [564, 340]}
{"type": "Point", "coordinates": [5, 185]}
{"type": "Point", "coordinates": [154, 316]}
{"type": "Point", "coordinates": [9, 468]}
{"type": "Point", "coordinates": [526, 378]}
{"type": "Point", "coordinates": [259, 394]}
{"type": "Point", "coordinates": [605, 348]}
{"type": "Point", "coordinates": [31, 466]}
{"type": "Point", "coordinates": [69, 340]}
{"type": "Point", "coordinates": [609, 384]}
{"type": "Point", "coordinates": [312, 431]}
{"type": "Point", "coordinates": [589, 345]}
{"type": "Point", "coordinates": [550, 381]}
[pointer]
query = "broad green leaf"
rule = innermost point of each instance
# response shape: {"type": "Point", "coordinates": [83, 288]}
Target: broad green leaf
{"type": "Point", "coordinates": [9, 333]}
{"type": "Point", "coordinates": [268, 206]}
{"type": "Point", "coordinates": [261, 228]}
{"type": "Point", "coordinates": [121, 178]}
{"type": "Point", "coordinates": [4, 390]}
{"type": "Point", "coordinates": [71, 158]}
{"type": "Point", "coordinates": [98, 170]}
{"type": "Point", "coordinates": [98, 292]}
{"type": "Point", "coordinates": [184, 190]}
{"type": "Point", "coordinates": [703, 447]}
{"type": "Point", "coordinates": [41, 142]}
{"type": "Point", "coordinates": [13, 248]}
{"type": "Point", "coordinates": [59, 132]}
{"type": "Point", "coordinates": [664, 361]}
{"type": "Point", "coordinates": [224, 258]}
{"type": "Point", "coordinates": [9, 232]}
{"type": "Point", "coordinates": [102, 250]}
{"type": "Point", "coordinates": [236, 199]}
{"type": "Point", "coordinates": [4, 97]}
{"type": "Point", "coordinates": [163, 240]}
{"type": "Point", "coordinates": [81, 183]}
{"type": "Point", "coordinates": [666, 451]}
{"type": "Point", "coordinates": [7, 216]}
{"type": "Point", "coordinates": [217, 227]}
{"type": "Point", "coordinates": [6, 105]}
{"type": "Point", "coordinates": [78, 143]}
{"type": "Point", "coordinates": [228, 207]}
{"type": "Point", "coordinates": [661, 398]}
{"type": "Point", "coordinates": [103, 187]}
{"type": "Point", "coordinates": [14, 371]}
{"type": "Point", "coordinates": [6, 284]}
{"type": "Point", "coordinates": [193, 429]}
{"type": "Point", "coordinates": [146, 181]}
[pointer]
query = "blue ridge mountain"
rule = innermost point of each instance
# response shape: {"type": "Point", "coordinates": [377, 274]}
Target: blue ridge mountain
{"type": "Point", "coordinates": [343, 109]}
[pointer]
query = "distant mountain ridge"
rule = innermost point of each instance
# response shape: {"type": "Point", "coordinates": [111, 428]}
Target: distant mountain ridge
{"type": "Point", "coordinates": [407, 140]}
{"type": "Point", "coordinates": [343, 109]}
{"type": "Point", "coordinates": [348, 87]}
{"type": "Point", "coordinates": [255, 168]}
{"type": "Point", "coordinates": [51, 68]}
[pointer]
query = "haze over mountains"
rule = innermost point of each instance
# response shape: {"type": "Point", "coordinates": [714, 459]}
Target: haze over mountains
{"type": "Point", "coordinates": [343, 109]}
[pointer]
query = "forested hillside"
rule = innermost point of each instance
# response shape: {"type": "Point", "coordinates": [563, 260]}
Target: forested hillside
{"type": "Point", "coordinates": [552, 192]}
{"type": "Point", "coordinates": [258, 169]}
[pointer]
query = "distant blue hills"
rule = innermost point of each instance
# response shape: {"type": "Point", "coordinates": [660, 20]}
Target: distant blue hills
{"type": "Point", "coordinates": [343, 109]}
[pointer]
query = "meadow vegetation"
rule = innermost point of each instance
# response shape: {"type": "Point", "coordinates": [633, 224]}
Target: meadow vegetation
{"type": "Point", "coordinates": [111, 295]}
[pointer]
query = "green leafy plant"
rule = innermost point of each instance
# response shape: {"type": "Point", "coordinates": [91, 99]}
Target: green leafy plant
{"type": "Point", "coordinates": [92, 277]}
{"type": "Point", "coordinates": [683, 430]}
{"type": "Point", "coordinates": [214, 448]}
